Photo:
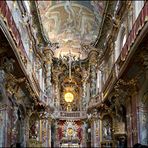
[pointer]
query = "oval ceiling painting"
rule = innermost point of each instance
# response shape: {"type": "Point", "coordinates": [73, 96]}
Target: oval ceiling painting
{"type": "Point", "coordinates": [71, 23]}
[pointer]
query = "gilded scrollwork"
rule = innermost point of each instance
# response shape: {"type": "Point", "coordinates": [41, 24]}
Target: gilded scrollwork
{"type": "Point", "coordinates": [144, 57]}
{"type": "Point", "coordinates": [8, 64]}
{"type": "Point", "coordinates": [124, 88]}
{"type": "Point", "coordinates": [13, 84]}
{"type": "Point", "coordinates": [32, 93]}
{"type": "Point", "coordinates": [47, 55]}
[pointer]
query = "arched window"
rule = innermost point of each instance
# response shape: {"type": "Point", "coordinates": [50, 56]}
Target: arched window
{"type": "Point", "coordinates": [99, 81]}
{"type": "Point", "coordinates": [98, 84]}
{"type": "Point", "coordinates": [130, 17]}
{"type": "Point", "coordinates": [138, 5]}
{"type": "Point", "coordinates": [27, 5]}
{"type": "Point", "coordinates": [121, 39]}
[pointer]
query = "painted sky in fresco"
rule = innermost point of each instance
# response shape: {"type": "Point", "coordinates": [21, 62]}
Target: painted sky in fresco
{"type": "Point", "coordinates": [71, 23]}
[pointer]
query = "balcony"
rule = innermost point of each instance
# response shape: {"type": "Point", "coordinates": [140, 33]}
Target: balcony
{"type": "Point", "coordinates": [73, 115]}
{"type": "Point", "coordinates": [133, 40]}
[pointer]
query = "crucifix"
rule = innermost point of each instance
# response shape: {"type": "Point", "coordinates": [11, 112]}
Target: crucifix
{"type": "Point", "coordinates": [69, 63]}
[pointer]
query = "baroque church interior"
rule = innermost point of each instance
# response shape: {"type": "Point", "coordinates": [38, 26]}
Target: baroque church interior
{"type": "Point", "coordinates": [73, 73]}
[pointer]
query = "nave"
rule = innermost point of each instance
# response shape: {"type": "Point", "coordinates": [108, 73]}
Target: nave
{"type": "Point", "coordinates": [74, 73]}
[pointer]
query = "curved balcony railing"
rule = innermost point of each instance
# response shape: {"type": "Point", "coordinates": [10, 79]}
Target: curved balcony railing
{"type": "Point", "coordinates": [71, 115]}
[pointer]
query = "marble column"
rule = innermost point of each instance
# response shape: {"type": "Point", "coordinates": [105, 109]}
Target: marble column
{"type": "Point", "coordinates": [145, 61]}
{"type": "Point", "coordinates": [143, 114]}
{"type": "Point", "coordinates": [3, 99]}
{"type": "Point", "coordinates": [3, 112]}
{"type": "Point", "coordinates": [48, 62]}
{"type": "Point", "coordinates": [84, 96]}
{"type": "Point", "coordinates": [49, 132]}
{"type": "Point", "coordinates": [93, 72]}
{"type": "Point", "coordinates": [95, 128]}
{"type": "Point", "coordinates": [46, 129]}
{"type": "Point", "coordinates": [84, 138]}
{"type": "Point", "coordinates": [57, 94]}
{"type": "Point", "coordinates": [56, 142]}
{"type": "Point", "coordinates": [44, 132]}
{"type": "Point", "coordinates": [119, 132]}
{"type": "Point", "coordinates": [92, 132]}
{"type": "Point", "coordinates": [20, 135]}
{"type": "Point", "coordinates": [142, 104]}
{"type": "Point", "coordinates": [27, 128]}
{"type": "Point", "coordinates": [84, 89]}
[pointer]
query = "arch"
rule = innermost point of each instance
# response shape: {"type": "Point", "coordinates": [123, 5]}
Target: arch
{"type": "Point", "coordinates": [122, 36]}
{"type": "Point", "coordinates": [119, 42]}
{"type": "Point", "coordinates": [137, 7]}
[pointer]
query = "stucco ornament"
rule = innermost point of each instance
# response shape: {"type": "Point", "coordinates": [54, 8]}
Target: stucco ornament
{"type": "Point", "coordinates": [70, 129]}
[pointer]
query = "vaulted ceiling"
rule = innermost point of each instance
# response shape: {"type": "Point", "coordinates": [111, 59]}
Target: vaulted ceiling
{"type": "Point", "coordinates": [71, 24]}
{"type": "Point", "coordinates": [74, 31]}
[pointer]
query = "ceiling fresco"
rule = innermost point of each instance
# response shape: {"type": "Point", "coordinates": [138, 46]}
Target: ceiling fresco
{"type": "Point", "coordinates": [71, 24]}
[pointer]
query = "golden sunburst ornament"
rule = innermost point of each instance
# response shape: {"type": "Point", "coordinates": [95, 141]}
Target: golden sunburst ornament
{"type": "Point", "coordinates": [68, 97]}
{"type": "Point", "coordinates": [70, 131]}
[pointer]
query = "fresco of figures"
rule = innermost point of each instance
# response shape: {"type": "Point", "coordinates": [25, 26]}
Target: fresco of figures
{"type": "Point", "coordinates": [71, 23]}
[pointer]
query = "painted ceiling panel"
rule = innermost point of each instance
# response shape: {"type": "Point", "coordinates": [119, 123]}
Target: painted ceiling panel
{"type": "Point", "coordinates": [71, 24]}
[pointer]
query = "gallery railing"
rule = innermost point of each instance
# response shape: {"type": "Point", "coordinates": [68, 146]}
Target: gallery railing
{"type": "Point", "coordinates": [71, 115]}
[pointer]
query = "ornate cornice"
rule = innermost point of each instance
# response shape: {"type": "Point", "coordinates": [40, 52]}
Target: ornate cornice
{"type": "Point", "coordinates": [37, 22]}
{"type": "Point", "coordinates": [13, 84]}
{"type": "Point", "coordinates": [47, 55]}
{"type": "Point", "coordinates": [110, 27]}
{"type": "Point", "coordinates": [105, 24]}
{"type": "Point", "coordinates": [144, 56]}
{"type": "Point", "coordinates": [93, 56]}
{"type": "Point", "coordinates": [101, 26]}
